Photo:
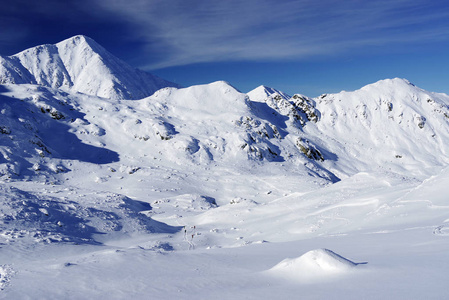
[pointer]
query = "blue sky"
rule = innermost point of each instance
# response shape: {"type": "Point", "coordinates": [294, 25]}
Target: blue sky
{"type": "Point", "coordinates": [302, 46]}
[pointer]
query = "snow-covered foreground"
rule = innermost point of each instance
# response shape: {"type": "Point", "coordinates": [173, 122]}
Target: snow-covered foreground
{"type": "Point", "coordinates": [395, 232]}
{"type": "Point", "coordinates": [208, 192]}
{"type": "Point", "coordinates": [405, 263]}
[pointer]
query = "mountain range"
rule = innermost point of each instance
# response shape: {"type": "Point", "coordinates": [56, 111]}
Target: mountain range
{"type": "Point", "coordinates": [205, 167]}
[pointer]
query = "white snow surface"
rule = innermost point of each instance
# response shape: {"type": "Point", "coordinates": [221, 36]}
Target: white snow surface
{"type": "Point", "coordinates": [207, 192]}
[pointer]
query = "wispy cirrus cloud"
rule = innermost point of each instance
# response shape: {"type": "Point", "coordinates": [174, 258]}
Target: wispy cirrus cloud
{"type": "Point", "coordinates": [180, 32]}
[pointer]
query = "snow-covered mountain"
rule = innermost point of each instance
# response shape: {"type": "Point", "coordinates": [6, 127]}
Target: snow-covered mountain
{"type": "Point", "coordinates": [389, 125]}
{"type": "Point", "coordinates": [155, 187]}
{"type": "Point", "coordinates": [79, 64]}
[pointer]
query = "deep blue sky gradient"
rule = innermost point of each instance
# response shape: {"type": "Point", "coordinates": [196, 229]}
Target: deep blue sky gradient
{"type": "Point", "coordinates": [297, 46]}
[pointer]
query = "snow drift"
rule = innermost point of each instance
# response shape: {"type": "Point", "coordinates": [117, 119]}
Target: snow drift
{"type": "Point", "coordinates": [314, 265]}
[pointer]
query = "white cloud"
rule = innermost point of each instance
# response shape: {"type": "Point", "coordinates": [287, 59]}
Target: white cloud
{"type": "Point", "coordinates": [191, 31]}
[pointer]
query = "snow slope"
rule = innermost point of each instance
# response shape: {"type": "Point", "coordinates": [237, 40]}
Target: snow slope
{"type": "Point", "coordinates": [79, 64]}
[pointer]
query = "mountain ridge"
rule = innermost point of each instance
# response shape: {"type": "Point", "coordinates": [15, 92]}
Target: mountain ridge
{"type": "Point", "coordinates": [335, 135]}
{"type": "Point", "coordinates": [378, 124]}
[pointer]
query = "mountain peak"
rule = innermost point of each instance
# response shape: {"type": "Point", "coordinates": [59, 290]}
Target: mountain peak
{"type": "Point", "coordinates": [390, 83]}
{"type": "Point", "coordinates": [79, 37]}
{"type": "Point", "coordinates": [266, 89]}
{"type": "Point", "coordinates": [80, 64]}
{"type": "Point", "coordinates": [224, 84]}
{"type": "Point", "coordinates": [262, 92]}
{"type": "Point", "coordinates": [83, 41]}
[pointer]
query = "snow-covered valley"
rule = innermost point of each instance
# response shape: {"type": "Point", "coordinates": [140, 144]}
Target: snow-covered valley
{"type": "Point", "coordinates": [204, 191]}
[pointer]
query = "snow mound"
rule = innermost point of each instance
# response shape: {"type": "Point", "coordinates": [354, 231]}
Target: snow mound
{"type": "Point", "coordinates": [313, 265]}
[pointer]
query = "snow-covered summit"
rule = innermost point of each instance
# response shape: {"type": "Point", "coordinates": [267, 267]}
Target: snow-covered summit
{"type": "Point", "coordinates": [79, 64]}
{"type": "Point", "coordinates": [262, 92]}
{"type": "Point", "coordinates": [388, 83]}
{"type": "Point", "coordinates": [212, 99]}
{"type": "Point", "coordinates": [299, 109]}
